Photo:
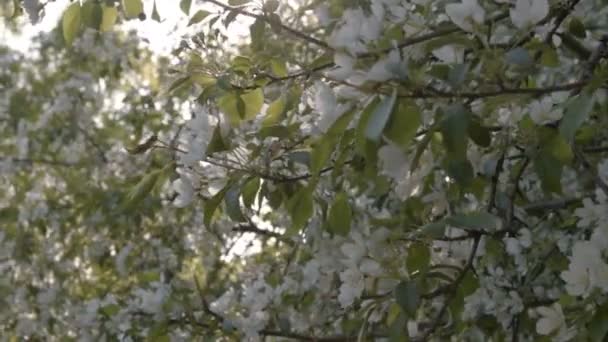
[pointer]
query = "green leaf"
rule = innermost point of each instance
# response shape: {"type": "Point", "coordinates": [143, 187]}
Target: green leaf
{"type": "Point", "coordinates": [241, 63]}
{"type": "Point", "coordinates": [577, 111]}
{"type": "Point", "coordinates": [320, 155]}
{"type": "Point", "coordinates": [300, 208]}
{"type": "Point", "coordinates": [460, 170]}
{"type": "Point", "coordinates": [211, 205]}
{"type": "Point", "coordinates": [142, 189]}
{"type": "Point", "coordinates": [185, 6]}
{"type": "Point", "coordinates": [364, 120]}
{"type": "Point", "coordinates": [233, 205]}
{"type": "Point", "coordinates": [237, 2]}
{"type": "Point", "coordinates": [519, 56]}
{"type": "Point", "coordinates": [240, 106]}
{"type": "Point", "coordinates": [217, 143]}
{"type": "Point", "coordinates": [71, 22]}
{"type": "Point", "coordinates": [380, 117]}
{"type": "Point", "coordinates": [597, 327]}
{"type": "Point", "coordinates": [178, 84]}
{"type": "Point", "coordinates": [454, 129]}
{"type": "Point", "coordinates": [433, 230]}
{"type": "Point", "coordinates": [418, 257]}
{"type": "Point", "coordinates": [132, 8]}
{"type": "Point", "coordinates": [408, 297]}
{"type": "Point", "coordinates": [577, 28]}
{"type": "Point", "coordinates": [558, 147]}
{"type": "Point", "coordinates": [232, 104]}
{"type": "Point", "coordinates": [278, 68]}
{"type": "Point", "coordinates": [549, 170]}
{"type": "Point", "coordinates": [336, 130]}
{"type": "Point", "coordinates": [398, 328]}
{"type": "Point", "coordinates": [232, 14]}
{"type": "Point", "coordinates": [275, 112]}
{"type": "Point", "coordinates": [110, 310]}
{"type": "Point", "coordinates": [155, 14]}
{"type": "Point", "coordinates": [108, 19]}
{"type": "Point", "coordinates": [478, 221]}
{"type": "Point", "coordinates": [424, 143]}
{"type": "Point", "coordinates": [340, 215]}
{"type": "Point", "coordinates": [271, 5]}
{"type": "Point", "coordinates": [158, 333]}
{"type": "Point", "coordinates": [549, 57]}
{"type": "Point", "coordinates": [404, 123]}
{"type": "Point", "coordinates": [479, 134]}
{"type": "Point", "coordinates": [275, 22]}
{"type": "Point", "coordinates": [324, 148]}
{"type": "Point", "coordinates": [275, 131]}
{"type": "Point", "coordinates": [199, 16]}
{"type": "Point", "coordinates": [457, 74]}
{"type": "Point", "coordinates": [250, 189]}
{"type": "Point", "coordinates": [257, 31]}
{"type": "Point", "coordinates": [92, 14]}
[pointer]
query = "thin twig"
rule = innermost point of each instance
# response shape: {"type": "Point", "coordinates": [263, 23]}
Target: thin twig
{"type": "Point", "coordinates": [598, 180]}
{"type": "Point", "coordinates": [252, 228]}
{"type": "Point", "coordinates": [452, 287]}
{"type": "Point", "coordinates": [559, 19]}
{"type": "Point", "coordinates": [267, 20]}
{"type": "Point", "coordinates": [39, 161]}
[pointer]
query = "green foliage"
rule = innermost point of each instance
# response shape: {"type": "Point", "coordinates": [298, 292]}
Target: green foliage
{"type": "Point", "coordinates": [379, 117]}
{"type": "Point", "coordinates": [197, 17]}
{"type": "Point", "coordinates": [132, 8]}
{"type": "Point", "coordinates": [339, 217]}
{"type": "Point", "coordinates": [258, 215]}
{"type": "Point", "coordinates": [577, 111]}
{"type": "Point", "coordinates": [241, 106]}
{"type": "Point", "coordinates": [403, 124]}
{"type": "Point", "coordinates": [408, 297]}
{"type": "Point", "coordinates": [71, 22]}
{"type": "Point", "coordinates": [300, 207]}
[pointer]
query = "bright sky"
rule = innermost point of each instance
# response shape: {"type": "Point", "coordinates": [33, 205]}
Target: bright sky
{"type": "Point", "coordinates": [162, 36]}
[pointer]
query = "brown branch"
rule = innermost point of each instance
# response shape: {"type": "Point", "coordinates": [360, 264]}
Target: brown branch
{"type": "Point", "coordinates": [511, 208]}
{"type": "Point", "coordinates": [251, 228]}
{"type": "Point", "coordinates": [452, 288]}
{"type": "Point", "coordinates": [493, 93]}
{"type": "Point", "coordinates": [403, 44]}
{"type": "Point", "coordinates": [301, 337]}
{"type": "Point", "coordinates": [553, 204]}
{"type": "Point", "coordinates": [39, 161]}
{"type": "Point", "coordinates": [292, 31]}
{"type": "Point", "coordinates": [495, 179]}
{"type": "Point", "coordinates": [561, 16]}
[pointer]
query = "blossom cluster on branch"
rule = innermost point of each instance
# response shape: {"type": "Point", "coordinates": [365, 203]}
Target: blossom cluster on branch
{"type": "Point", "coordinates": [374, 170]}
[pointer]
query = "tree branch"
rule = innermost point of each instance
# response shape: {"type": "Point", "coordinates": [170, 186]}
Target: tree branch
{"type": "Point", "coordinates": [452, 287]}
{"type": "Point", "coordinates": [561, 16]}
{"type": "Point", "coordinates": [292, 31]}
{"type": "Point", "coordinates": [251, 228]}
{"type": "Point", "coordinates": [39, 161]}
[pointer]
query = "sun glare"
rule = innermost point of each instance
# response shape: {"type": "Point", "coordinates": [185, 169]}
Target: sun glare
{"type": "Point", "coordinates": [161, 37]}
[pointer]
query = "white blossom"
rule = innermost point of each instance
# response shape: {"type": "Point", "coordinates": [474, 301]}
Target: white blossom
{"type": "Point", "coordinates": [32, 8]}
{"type": "Point", "coordinates": [587, 270]}
{"type": "Point", "coordinates": [185, 192]}
{"type": "Point", "coordinates": [352, 286]}
{"type": "Point", "coordinates": [328, 106]}
{"type": "Point", "coordinates": [552, 319]}
{"type": "Point", "coordinates": [121, 259]}
{"type": "Point", "coordinates": [528, 12]}
{"type": "Point", "coordinates": [466, 14]}
{"type": "Point", "coordinates": [543, 111]}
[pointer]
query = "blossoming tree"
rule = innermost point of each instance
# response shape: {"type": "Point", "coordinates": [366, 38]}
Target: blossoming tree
{"type": "Point", "coordinates": [421, 170]}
